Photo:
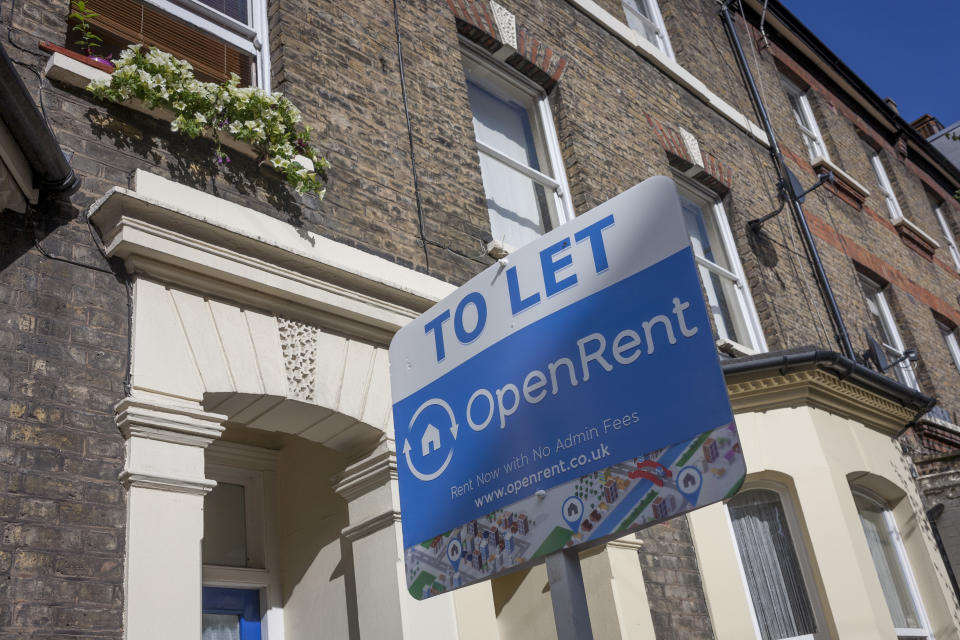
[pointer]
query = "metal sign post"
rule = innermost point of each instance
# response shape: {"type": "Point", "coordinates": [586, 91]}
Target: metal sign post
{"type": "Point", "coordinates": [544, 406]}
{"type": "Point", "coordinates": [568, 596]}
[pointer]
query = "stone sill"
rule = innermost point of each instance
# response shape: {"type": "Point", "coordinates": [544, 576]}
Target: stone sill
{"type": "Point", "coordinates": [915, 238]}
{"type": "Point", "coordinates": [79, 74]}
{"type": "Point", "coordinates": [734, 349]}
{"type": "Point", "coordinates": [845, 187]}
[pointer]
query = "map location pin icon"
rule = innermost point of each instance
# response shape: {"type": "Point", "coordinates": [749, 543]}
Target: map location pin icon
{"type": "Point", "coordinates": [573, 512]}
{"type": "Point", "coordinates": [455, 552]}
{"type": "Point", "coordinates": [689, 483]}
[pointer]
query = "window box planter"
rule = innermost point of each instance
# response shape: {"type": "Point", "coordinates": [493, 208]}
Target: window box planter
{"type": "Point", "coordinates": [49, 47]}
{"type": "Point", "coordinates": [77, 71]}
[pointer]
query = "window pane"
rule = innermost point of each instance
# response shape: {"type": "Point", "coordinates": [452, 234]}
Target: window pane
{"type": "Point", "coordinates": [517, 204]}
{"type": "Point", "coordinates": [504, 125]}
{"type": "Point", "coordinates": [720, 293]}
{"type": "Point", "coordinates": [219, 626]}
{"type": "Point", "coordinates": [639, 20]}
{"type": "Point", "coordinates": [236, 9]}
{"type": "Point", "coordinates": [224, 526]}
{"type": "Point", "coordinates": [886, 559]}
{"type": "Point", "coordinates": [771, 566]}
{"type": "Point", "coordinates": [704, 234]}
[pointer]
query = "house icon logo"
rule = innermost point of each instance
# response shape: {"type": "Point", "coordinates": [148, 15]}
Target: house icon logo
{"type": "Point", "coordinates": [430, 441]}
{"type": "Point", "coordinates": [433, 440]}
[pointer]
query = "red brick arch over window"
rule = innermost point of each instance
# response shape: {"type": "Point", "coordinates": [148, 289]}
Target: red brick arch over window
{"type": "Point", "coordinates": [533, 58]}
{"type": "Point", "coordinates": [712, 173]}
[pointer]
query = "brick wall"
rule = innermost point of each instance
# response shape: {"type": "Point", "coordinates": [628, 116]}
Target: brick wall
{"type": "Point", "coordinates": [672, 580]}
{"type": "Point", "coordinates": [63, 349]}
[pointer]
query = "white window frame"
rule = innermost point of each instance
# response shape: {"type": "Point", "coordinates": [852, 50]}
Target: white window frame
{"type": "Point", "coordinates": [894, 532]}
{"type": "Point", "coordinates": [255, 469]}
{"type": "Point", "coordinates": [799, 548]}
{"type": "Point", "coordinates": [806, 122]}
{"type": "Point", "coordinates": [948, 234]}
{"type": "Point", "coordinates": [652, 26]}
{"type": "Point", "coordinates": [743, 301]}
{"type": "Point", "coordinates": [252, 39]}
{"type": "Point", "coordinates": [873, 291]}
{"type": "Point", "coordinates": [480, 68]}
{"type": "Point", "coordinates": [886, 188]}
{"type": "Point", "coordinates": [953, 342]}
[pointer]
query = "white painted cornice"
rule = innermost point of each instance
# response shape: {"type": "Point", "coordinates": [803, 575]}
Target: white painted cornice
{"type": "Point", "coordinates": [367, 527]}
{"type": "Point", "coordinates": [372, 472]}
{"type": "Point", "coordinates": [167, 421]}
{"type": "Point", "coordinates": [766, 390]}
{"type": "Point", "coordinates": [166, 483]}
{"type": "Point", "coordinates": [185, 237]}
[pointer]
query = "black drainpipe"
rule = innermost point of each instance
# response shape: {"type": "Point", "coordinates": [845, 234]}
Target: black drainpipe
{"type": "Point", "coordinates": [787, 186]}
{"type": "Point", "coordinates": [51, 173]}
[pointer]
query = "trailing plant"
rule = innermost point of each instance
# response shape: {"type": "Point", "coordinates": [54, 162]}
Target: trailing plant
{"type": "Point", "coordinates": [267, 121]}
{"type": "Point", "coordinates": [82, 15]}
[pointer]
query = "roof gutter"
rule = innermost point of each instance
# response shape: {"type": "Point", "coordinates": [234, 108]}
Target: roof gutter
{"type": "Point", "coordinates": [831, 361]}
{"type": "Point", "coordinates": [52, 174]}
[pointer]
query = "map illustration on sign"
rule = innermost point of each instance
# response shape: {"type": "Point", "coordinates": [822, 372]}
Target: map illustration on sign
{"type": "Point", "coordinates": [565, 396]}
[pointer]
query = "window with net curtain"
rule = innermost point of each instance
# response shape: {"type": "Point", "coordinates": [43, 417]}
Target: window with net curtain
{"type": "Point", "coordinates": [522, 179]}
{"type": "Point", "coordinates": [889, 558]}
{"type": "Point", "coordinates": [718, 264]}
{"type": "Point", "coordinates": [772, 566]}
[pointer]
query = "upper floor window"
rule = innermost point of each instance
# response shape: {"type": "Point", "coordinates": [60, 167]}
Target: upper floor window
{"type": "Point", "coordinates": [893, 570]}
{"type": "Point", "coordinates": [774, 565]}
{"type": "Point", "coordinates": [217, 37]}
{"type": "Point", "coordinates": [803, 114]}
{"type": "Point", "coordinates": [948, 234]}
{"type": "Point", "coordinates": [893, 207]}
{"type": "Point", "coordinates": [520, 161]}
{"type": "Point", "coordinates": [643, 16]}
{"type": "Point", "coordinates": [728, 296]}
{"type": "Point", "coordinates": [886, 330]}
{"type": "Point", "coordinates": [953, 343]}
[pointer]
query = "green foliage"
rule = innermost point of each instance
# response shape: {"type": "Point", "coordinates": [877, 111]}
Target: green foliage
{"type": "Point", "coordinates": [266, 121]}
{"type": "Point", "coordinates": [82, 15]}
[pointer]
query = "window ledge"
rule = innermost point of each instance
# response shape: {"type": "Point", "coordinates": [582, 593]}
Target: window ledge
{"type": "Point", "coordinates": [845, 187]}
{"type": "Point", "coordinates": [79, 74]}
{"type": "Point", "coordinates": [670, 67]}
{"type": "Point", "coordinates": [734, 349]}
{"type": "Point", "coordinates": [915, 238]}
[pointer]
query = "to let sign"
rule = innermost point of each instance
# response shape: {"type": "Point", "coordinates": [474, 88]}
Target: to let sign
{"type": "Point", "coordinates": [566, 395]}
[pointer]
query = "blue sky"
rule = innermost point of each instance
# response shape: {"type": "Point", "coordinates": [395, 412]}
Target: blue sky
{"type": "Point", "coordinates": [906, 51]}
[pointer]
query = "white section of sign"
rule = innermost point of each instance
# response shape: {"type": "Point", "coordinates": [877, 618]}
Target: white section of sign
{"type": "Point", "coordinates": [538, 280]}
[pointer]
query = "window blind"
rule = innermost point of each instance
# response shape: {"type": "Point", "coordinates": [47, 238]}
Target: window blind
{"type": "Point", "coordinates": [123, 22]}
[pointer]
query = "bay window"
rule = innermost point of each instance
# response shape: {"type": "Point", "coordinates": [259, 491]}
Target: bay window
{"type": "Point", "coordinates": [893, 570]}
{"type": "Point", "coordinates": [774, 566]}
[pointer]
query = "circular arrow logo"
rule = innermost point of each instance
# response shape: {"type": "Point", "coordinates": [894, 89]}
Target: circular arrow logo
{"type": "Point", "coordinates": [430, 441]}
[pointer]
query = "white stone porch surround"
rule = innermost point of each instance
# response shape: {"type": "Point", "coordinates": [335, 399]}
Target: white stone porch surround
{"type": "Point", "coordinates": [241, 318]}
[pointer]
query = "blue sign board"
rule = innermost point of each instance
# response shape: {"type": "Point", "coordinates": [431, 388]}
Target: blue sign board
{"type": "Point", "coordinates": [566, 395]}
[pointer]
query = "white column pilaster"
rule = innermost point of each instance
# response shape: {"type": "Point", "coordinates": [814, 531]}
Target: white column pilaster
{"type": "Point", "coordinates": [384, 606]}
{"type": "Point", "coordinates": [164, 477]}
